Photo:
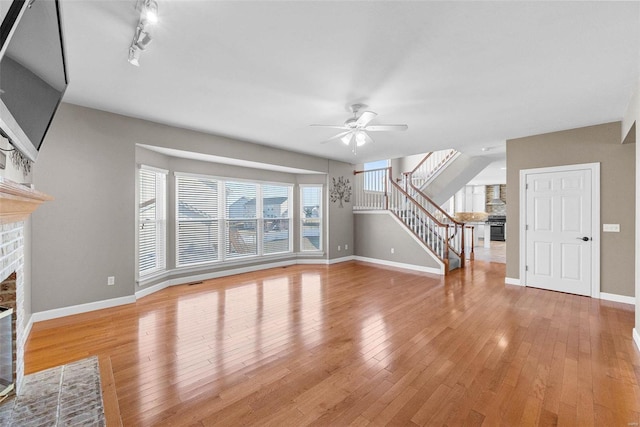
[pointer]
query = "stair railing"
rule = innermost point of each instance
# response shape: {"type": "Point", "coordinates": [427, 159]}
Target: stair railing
{"type": "Point", "coordinates": [429, 167]}
{"type": "Point", "coordinates": [374, 190]}
{"type": "Point", "coordinates": [370, 189]}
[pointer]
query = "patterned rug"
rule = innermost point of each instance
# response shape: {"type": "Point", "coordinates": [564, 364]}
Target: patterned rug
{"type": "Point", "coordinates": [67, 395]}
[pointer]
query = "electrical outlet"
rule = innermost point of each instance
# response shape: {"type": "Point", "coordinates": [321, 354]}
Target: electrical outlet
{"type": "Point", "coordinates": [339, 248]}
{"type": "Point", "coordinates": [393, 251]}
{"type": "Point", "coordinates": [346, 247]}
{"type": "Point", "coordinates": [111, 280]}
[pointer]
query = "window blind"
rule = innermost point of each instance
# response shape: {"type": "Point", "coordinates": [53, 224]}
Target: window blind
{"type": "Point", "coordinates": [152, 222]}
{"type": "Point", "coordinates": [198, 222]}
{"type": "Point", "coordinates": [241, 219]}
{"type": "Point", "coordinates": [276, 219]}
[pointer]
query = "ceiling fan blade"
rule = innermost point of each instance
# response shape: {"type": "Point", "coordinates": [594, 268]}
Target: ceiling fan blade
{"type": "Point", "coordinates": [340, 135]}
{"type": "Point", "coordinates": [365, 118]}
{"type": "Point", "coordinates": [377, 128]}
{"type": "Point", "coordinates": [330, 126]}
{"type": "Point", "coordinates": [367, 138]}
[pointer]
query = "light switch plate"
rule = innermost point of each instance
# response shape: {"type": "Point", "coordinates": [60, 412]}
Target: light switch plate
{"type": "Point", "coordinates": [611, 228]}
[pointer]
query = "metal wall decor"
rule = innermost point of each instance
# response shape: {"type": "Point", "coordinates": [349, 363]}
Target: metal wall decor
{"type": "Point", "coordinates": [340, 190]}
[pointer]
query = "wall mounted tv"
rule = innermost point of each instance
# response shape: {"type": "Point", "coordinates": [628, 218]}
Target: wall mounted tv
{"type": "Point", "coordinates": [33, 75]}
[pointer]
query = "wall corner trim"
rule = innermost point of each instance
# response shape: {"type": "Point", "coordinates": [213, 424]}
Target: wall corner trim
{"type": "Point", "coordinates": [636, 338]}
{"type": "Point", "coordinates": [618, 298]}
{"type": "Point", "coordinates": [512, 281]}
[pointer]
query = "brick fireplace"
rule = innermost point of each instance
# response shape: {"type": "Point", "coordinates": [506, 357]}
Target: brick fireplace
{"type": "Point", "coordinates": [12, 290]}
{"type": "Point", "coordinates": [16, 204]}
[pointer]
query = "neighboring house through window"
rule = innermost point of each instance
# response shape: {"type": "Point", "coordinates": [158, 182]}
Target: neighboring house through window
{"type": "Point", "coordinates": [311, 218]}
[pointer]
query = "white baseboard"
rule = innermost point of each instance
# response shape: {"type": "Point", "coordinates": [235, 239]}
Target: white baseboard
{"type": "Point", "coordinates": [312, 261]}
{"type": "Point", "coordinates": [81, 308]}
{"type": "Point", "coordinates": [152, 289]}
{"type": "Point", "coordinates": [343, 259]}
{"type": "Point", "coordinates": [618, 298]}
{"type": "Point", "coordinates": [512, 281]}
{"type": "Point", "coordinates": [210, 275]}
{"type": "Point", "coordinates": [636, 338]}
{"type": "Point", "coordinates": [439, 271]}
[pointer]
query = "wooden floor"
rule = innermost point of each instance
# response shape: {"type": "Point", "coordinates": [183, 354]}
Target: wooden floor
{"type": "Point", "coordinates": [353, 343]}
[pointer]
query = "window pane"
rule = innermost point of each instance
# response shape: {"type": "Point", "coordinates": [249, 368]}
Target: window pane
{"type": "Point", "coordinates": [197, 198]}
{"type": "Point", "coordinates": [241, 238]}
{"type": "Point", "coordinates": [240, 200]}
{"type": "Point", "coordinates": [276, 236]}
{"type": "Point", "coordinates": [151, 220]}
{"type": "Point", "coordinates": [198, 224]}
{"type": "Point", "coordinates": [311, 234]}
{"type": "Point", "coordinates": [311, 219]}
{"type": "Point", "coordinates": [275, 212]}
{"type": "Point", "coordinates": [197, 242]}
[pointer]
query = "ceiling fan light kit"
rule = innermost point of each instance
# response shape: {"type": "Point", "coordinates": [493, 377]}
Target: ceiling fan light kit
{"type": "Point", "coordinates": [355, 128]}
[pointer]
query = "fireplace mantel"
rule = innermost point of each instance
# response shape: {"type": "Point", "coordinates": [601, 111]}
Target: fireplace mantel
{"type": "Point", "coordinates": [18, 201]}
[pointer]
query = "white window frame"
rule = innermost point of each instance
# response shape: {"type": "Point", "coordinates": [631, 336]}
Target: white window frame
{"type": "Point", "coordinates": [223, 219]}
{"type": "Point", "coordinates": [289, 217]}
{"type": "Point", "coordinates": [320, 217]}
{"type": "Point", "coordinates": [161, 221]}
{"type": "Point", "coordinates": [219, 219]}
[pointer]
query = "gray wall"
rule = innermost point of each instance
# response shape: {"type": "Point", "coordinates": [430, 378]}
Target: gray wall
{"type": "Point", "coordinates": [591, 144]}
{"type": "Point", "coordinates": [340, 219]}
{"type": "Point", "coordinates": [377, 233]}
{"type": "Point", "coordinates": [88, 164]}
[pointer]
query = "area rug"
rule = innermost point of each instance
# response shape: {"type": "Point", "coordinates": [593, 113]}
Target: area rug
{"type": "Point", "coordinates": [67, 395]}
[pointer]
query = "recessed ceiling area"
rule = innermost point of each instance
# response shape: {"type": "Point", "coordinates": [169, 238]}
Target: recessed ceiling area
{"type": "Point", "coordinates": [461, 75]}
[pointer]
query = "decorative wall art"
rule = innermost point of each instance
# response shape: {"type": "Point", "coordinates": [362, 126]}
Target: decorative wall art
{"type": "Point", "coordinates": [340, 190]}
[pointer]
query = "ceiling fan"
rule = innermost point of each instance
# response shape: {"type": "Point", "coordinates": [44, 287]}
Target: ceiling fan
{"type": "Point", "coordinates": [356, 128]}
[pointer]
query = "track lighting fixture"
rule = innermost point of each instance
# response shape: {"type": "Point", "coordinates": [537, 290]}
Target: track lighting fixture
{"type": "Point", "coordinates": [148, 15]}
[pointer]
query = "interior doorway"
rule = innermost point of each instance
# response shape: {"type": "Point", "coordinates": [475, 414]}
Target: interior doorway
{"type": "Point", "coordinates": [559, 228]}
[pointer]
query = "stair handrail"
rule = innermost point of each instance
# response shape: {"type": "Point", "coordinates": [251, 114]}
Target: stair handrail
{"type": "Point", "coordinates": [443, 157]}
{"type": "Point", "coordinates": [458, 248]}
{"type": "Point", "coordinates": [441, 251]}
{"type": "Point", "coordinates": [435, 205]}
{"type": "Point", "coordinates": [374, 190]}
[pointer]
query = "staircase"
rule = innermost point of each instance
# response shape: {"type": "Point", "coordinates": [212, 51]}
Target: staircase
{"type": "Point", "coordinates": [442, 235]}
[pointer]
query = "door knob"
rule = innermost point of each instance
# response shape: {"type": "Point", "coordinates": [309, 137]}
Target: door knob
{"type": "Point", "coordinates": [584, 239]}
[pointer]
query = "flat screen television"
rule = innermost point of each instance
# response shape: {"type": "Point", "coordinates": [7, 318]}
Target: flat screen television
{"type": "Point", "coordinates": [33, 74]}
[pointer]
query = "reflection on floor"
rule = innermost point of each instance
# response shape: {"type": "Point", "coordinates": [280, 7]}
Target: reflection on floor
{"type": "Point", "coordinates": [497, 252]}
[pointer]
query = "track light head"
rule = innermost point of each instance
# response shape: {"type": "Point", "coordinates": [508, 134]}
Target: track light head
{"type": "Point", "coordinates": [142, 39]}
{"type": "Point", "coordinates": [150, 11]}
{"type": "Point", "coordinates": [134, 56]}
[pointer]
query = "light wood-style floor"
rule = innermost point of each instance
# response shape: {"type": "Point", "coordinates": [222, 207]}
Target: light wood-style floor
{"type": "Point", "coordinates": [353, 343]}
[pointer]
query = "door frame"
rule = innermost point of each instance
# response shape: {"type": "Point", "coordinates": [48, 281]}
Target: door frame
{"type": "Point", "coordinates": [595, 219]}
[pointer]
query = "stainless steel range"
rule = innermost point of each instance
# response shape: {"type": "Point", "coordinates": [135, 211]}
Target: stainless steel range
{"type": "Point", "coordinates": [497, 224]}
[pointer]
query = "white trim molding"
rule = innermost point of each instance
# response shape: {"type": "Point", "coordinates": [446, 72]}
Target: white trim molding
{"type": "Point", "coordinates": [636, 338]}
{"type": "Point", "coordinates": [81, 308]}
{"type": "Point", "coordinates": [210, 275]}
{"type": "Point", "coordinates": [595, 219]}
{"type": "Point", "coordinates": [512, 281]}
{"type": "Point", "coordinates": [339, 260]}
{"type": "Point", "coordinates": [618, 298]}
{"type": "Point", "coordinates": [400, 265]}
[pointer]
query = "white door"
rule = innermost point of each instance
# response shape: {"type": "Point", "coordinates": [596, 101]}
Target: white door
{"type": "Point", "coordinates": [558, 231]}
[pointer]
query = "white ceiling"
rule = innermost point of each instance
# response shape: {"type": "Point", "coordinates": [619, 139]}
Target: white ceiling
{"type": "Point", "coordinates": [462, 75]}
